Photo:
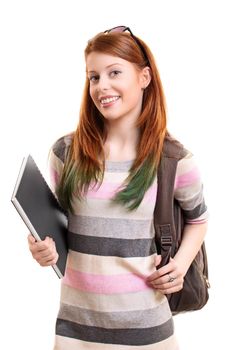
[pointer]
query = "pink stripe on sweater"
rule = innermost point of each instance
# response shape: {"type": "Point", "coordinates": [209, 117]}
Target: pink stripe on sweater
{"type": "Point", "coordinates": [105, 191]}
{"type": "Point", "coordinates": [193, 222]}
{"type": "Point", "coordinates": [103, 284]}
{"type": "Point", "coordinates": [109, 190]}
{"type": "Point", "coordinates": [151, 194]}
{"type": "Point", "coordinates": [187, 179]}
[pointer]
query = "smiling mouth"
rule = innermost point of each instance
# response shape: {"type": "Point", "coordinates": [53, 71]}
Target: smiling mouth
{"type": "Point", "coordinates": [109, 100]}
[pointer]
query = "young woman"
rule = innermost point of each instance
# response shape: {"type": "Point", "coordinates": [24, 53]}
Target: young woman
{"type": "Point", "coordinates": [104, 174]}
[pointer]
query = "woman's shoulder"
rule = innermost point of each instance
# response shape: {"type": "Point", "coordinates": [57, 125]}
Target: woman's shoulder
{"type": "Point", "coordinates": [172, 148]}
{"type": "Point", "coordinates": [62, 145]}
{"type": "Point", "coordinates": [186, 160]}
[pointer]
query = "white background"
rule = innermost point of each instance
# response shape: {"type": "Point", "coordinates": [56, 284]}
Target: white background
{"type": "Point", "coordinates": [41, 81]}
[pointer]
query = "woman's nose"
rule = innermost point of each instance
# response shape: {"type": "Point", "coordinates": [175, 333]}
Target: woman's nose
{"type": "Point", "coordinates": [103, 83]}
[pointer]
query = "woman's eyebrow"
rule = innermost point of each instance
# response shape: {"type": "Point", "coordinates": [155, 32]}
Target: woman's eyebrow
{"type": "Point", "coordinates": [109, 66]}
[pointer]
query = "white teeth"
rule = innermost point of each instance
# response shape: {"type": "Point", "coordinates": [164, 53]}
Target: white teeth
{"type": "Point", "coordinates": [108, 100]}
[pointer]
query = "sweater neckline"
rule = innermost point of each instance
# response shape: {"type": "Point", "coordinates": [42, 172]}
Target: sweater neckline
{"type": "Point", "coordinates": [117, 166]}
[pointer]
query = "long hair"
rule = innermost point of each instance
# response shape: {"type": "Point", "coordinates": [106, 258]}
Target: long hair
{"type": "Point", "coordinates": [84, 166]}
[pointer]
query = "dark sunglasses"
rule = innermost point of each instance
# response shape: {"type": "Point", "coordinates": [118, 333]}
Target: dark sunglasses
{"type": "Point", "coordinates": [121, 29]}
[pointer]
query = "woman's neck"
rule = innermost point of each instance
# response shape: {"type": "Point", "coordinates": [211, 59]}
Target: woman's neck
{"type": "Point", "coordinates": [121, 143]}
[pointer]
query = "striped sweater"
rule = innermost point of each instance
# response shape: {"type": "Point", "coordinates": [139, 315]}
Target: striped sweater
{"type": "Point", "coordinates": [106, 302]}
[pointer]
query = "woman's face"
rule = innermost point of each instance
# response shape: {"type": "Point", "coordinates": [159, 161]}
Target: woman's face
{"type": "Point", "coordinates": [116, 86]}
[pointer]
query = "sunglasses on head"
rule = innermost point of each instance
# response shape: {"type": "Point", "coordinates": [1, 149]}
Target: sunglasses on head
{"type": "Point", "coordinates": [122, 29]}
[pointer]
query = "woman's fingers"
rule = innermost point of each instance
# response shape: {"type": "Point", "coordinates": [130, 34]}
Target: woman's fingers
{"type": "Point", "coordinates": [31, 239]}
{"type": "Point", "coordinates": [44, 252]}
{"type": "Point", "coordinates": [174, 284]}
{"type": "Point", "coordinates": [159, 275]}
{"type": "Point", "coordinates": [48, 260]}
{"type": "Point", "coordinates": [168, 279]}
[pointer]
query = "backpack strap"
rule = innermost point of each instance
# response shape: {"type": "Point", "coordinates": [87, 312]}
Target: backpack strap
{"type": "Point", "coordinates": [165, 232]}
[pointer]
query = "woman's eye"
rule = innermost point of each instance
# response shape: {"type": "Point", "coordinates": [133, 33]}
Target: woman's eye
{"type": "Point", "coordinates": [114, 73]}
{"type": "Point", "coordinates": [93, 78]}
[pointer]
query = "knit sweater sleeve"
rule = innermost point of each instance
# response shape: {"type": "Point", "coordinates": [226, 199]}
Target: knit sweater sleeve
{"type": "Point", "coordinates": [189, 190]}
{"type": "Point", "coordinates": [57, 157]}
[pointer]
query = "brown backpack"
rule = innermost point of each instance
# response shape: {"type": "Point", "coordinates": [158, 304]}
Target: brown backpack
{"type": "Point", "coordinates": [169, 224]}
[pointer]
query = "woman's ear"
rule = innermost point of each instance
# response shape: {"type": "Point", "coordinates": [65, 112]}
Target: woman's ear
{"type": "Point", "coordinates": [145, 77]}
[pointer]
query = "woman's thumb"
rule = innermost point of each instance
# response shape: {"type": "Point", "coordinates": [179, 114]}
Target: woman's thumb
{"type": "Point", "coordinates": [158, 259]}
{"type": "Point", "coordinates": [31, 239]}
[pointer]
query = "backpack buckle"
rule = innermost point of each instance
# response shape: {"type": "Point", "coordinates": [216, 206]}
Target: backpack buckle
{"type": "Point", "coordinates": [165, 235]}
{"type": "Point", "coordinates": [166, 241]}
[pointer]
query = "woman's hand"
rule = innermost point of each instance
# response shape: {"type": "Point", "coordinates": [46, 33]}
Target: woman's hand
{"type": "Point", "coordinates": [168, 279]}
{"type": "Point", "coordinates": [44, 252]}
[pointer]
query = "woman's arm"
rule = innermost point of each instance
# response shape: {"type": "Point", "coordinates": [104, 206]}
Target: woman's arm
{"type": "Point", "coordinates": [193, 237]}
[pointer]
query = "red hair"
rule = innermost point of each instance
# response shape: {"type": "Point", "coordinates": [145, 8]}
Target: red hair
{"type": "Point", "coordinates": [85, 163]}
